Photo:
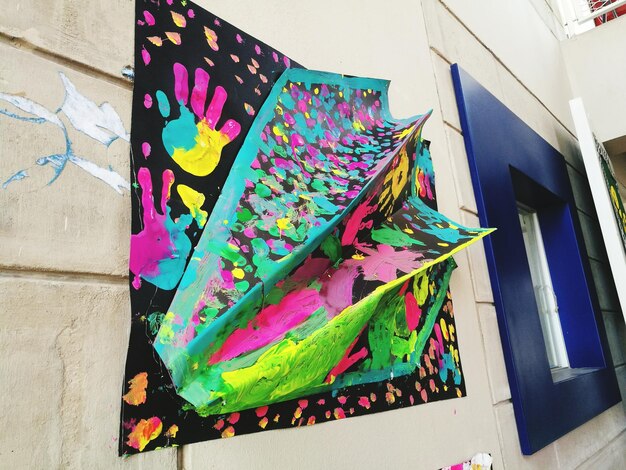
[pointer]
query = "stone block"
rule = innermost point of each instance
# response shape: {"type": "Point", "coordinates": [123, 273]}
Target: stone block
{"type": "Point", "coordinates": [577, 446]}
{"type": "Point", "coordinates": [445, 90]}
{"type": "Point", "coordinates": [63, 342]}
{"type": "Point", "coordinates": [97, 34]}
{"type": "Point", "coordinates": [580, 188]}
{"type": "Point", "coordinates": [592, 235]}
{"type": "Point", "coordinates": [616, 336]}
{"type": "Point", "coordinates": [611, 457]}
{"type": "Point", "coordinates": [460, 170]}
{"type": "Point", "coordinates": [605, 285]}
{"type": "Point", "coordinates": [77, 223]}
{"type": "Point", "coordinates": [496, 368]}
{"type": "Point", "coordinates": [478, 262]}
{"type": "Point", "coordinates": [452, 40]}
{"type": "Point", "coordinates": [509, 441]}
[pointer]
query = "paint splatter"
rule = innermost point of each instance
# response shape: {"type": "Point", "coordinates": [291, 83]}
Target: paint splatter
{"type": "Point", "coordinates": [211, 38]}
{"type": "Point", "coordinates": [172, 431]}
{"type": "Point", "coordinates": [158, 253]}
{"type": "Point", "coordinates": [291, 185]}
{"type": "Point", "coordinates": [137, 393]}
{"type": "Point", "coordinates": [249, 109]}
{"type": "Point", "coordinates": [145, 431]}
{"type": "Point", "coordinates": [192, 139]}
{"type": "Point", "coordinates": [179, 20]}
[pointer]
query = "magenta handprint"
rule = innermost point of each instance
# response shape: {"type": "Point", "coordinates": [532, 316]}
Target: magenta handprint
{"type": "Point", "coordinates": [159, 252]}
{"type": "Point", "coordinates": [196, 146]}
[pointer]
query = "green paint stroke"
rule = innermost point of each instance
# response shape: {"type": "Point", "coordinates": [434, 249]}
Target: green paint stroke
{"type": "Point", "coordinates": [292, 369]}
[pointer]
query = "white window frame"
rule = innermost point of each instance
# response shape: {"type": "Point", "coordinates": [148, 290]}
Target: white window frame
{"type": "Point", "coordinates": [542, 285]}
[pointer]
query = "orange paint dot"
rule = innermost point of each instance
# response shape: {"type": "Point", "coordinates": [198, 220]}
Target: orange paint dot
{"type": "Point", "coordinates": [172, 431]}
{"type": "Point", "coordinates": [174, 37]}
{"type": "Point", "coordinates": [137, 393]}
{"type": "Point", "coordinates": [263, 422]}
{"type": "Point", "coordinates": [179, 20]}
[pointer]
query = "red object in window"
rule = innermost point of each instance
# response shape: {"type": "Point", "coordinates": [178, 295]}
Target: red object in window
{"type": "Point", "coordinates": [611, 15]}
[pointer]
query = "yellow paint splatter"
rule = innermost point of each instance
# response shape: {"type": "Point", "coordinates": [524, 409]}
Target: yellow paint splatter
{"type": "Point", "coordinates": [171, 432]}
{"type": "Point", "coordinates": [204, 157]}
{"type": "Point", "coordinates": [156, 40]}
{"type": "Point", "coordinates": [174, 37]}
{"type": "Point", "coordinates": [194, 201]}
{"type": "Point", "coordinates": [179, 20]}
{"type": "Point", "coordinates": [284, 223]}
{"type": "Point", "coordinates": [228, 432]}
{"type": "Point", "coordinates": [145, 431]}
{"type": "Point", "coordinates": [263, 422]}
{"type": "Point", "coordinates": [238, 273]}
{"type": "Point", "coordinates": [211, 38]}
{"type": "Point", "coordinates": [137, 393]}
{"type": "Point", "coordinates": [405, 132]}
{"type": "Point", "coordinates": [166, 333]}
{"type": "Point", "coordinates": [444, 329]}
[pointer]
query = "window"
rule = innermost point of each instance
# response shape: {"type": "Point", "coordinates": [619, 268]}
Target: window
{"type": "Point", "coordinates": [542, 285]}
{"type": "Point", "coordinates": [546, 303]}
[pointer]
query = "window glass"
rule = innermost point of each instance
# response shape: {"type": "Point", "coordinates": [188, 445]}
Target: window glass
{"type": "Point", "coordinates": [542, 285]}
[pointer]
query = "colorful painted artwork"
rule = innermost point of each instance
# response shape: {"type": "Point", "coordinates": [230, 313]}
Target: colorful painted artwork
{"type": "Point", "coordinates": [480, 461]}
{"type": "Point", "coordinates": [295, 269]}
{"type": "Point", "coordinates": [612, 187]}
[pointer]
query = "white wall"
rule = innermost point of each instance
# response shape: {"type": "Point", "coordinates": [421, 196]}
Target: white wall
{"type": "Point", "coordinates": [63, 250]}
{"type": "Point", "coordinates": [597, 71]}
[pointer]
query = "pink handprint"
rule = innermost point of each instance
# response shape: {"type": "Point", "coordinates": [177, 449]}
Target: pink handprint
{"type": "Point", "coordinates": [196, 146]}
{"type": "Point", "coordinates": [159, 252]}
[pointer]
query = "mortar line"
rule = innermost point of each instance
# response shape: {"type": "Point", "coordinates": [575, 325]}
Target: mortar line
{"type": "Point", "coordinates": [63, 276]}
{"type": "Point", "coordinates": [24, 45]}
{"type": "Point", "coordinates": [603, 448]}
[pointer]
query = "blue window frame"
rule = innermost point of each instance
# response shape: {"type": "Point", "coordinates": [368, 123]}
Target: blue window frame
{"type": "Point", "coordinates": [512, 164]}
